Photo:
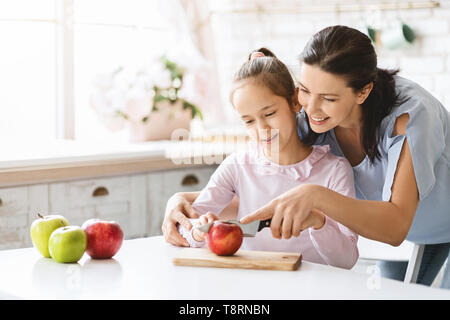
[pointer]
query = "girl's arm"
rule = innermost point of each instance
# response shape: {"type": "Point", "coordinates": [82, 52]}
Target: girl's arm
{"type": "Point", "coordinates": [218, 194]}
{"type": "Point", "coordinates": [178, 211]}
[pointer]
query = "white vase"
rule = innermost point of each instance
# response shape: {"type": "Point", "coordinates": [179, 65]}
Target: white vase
{"type": "Point", "coordinates": [160, 124]}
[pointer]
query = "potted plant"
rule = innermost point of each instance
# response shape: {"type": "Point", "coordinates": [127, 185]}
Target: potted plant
{"type": "Point", "coordinates": [148, 100]}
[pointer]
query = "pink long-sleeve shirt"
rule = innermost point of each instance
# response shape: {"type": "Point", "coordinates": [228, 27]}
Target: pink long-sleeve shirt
{"type": "Point", "coordinates": [255, 180]}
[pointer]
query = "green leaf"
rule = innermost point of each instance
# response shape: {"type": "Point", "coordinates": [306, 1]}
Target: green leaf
{"type": "Point", "coordinates": [122, 114]}
{"type": "Point", "coordinates": [159, 98]}
{"type": "Point", "coordinates": [195, 111]}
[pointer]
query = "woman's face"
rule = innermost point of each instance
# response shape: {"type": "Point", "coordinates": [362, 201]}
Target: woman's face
{"type": "Point", "coordinates": [327, 100]}
{"type": "Point", "coordinates": [268, 118]}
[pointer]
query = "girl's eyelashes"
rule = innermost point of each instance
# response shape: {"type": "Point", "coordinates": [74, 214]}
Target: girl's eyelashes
{"type": "Point", "coordinates": [330, 100]}
{"type": "Point", "coordinates": [248, 122]}
{"type": "Point", "coordinates": [304, 90]}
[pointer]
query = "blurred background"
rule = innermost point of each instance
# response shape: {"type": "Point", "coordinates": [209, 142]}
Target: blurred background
{"type": "Point", "coordinates": [93, 69]}
{"type": "Point", "coordinates": [91, 90]}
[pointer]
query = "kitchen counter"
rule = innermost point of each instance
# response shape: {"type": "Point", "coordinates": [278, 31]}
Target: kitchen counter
{"type": "Point", "coordinates": [59, 160]}
{"type": "Point", "coordinates": [143, 269]}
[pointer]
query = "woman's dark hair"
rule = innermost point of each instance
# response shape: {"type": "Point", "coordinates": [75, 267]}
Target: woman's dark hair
{"type": "Point", "coordinates": [349, 53]}
{"type": "Point", "coordinates": [270, 72]}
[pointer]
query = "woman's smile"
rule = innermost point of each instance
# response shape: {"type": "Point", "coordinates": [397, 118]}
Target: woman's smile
{"type": "Point", "coordinates": [318, 121]}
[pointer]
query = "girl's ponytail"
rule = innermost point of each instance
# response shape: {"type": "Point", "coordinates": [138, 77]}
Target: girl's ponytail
{"type": "Point", "coordinates": [265, 51]}
{"type": "Point", "coordinates": [268, 71]}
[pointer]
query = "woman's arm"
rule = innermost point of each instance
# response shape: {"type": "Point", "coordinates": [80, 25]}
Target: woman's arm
{"type": "Point", "coordinates": [335, 243]}
{"type": "Point", "coordinates": [383, 221]}
{"type": "Point", "coordinates": [388, 222]}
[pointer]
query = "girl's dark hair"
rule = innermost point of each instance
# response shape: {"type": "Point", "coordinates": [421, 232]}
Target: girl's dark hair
{"type": "Point", "coordinates": [270, 72]}
{"type": "Point", "coordinates": [349, 53]}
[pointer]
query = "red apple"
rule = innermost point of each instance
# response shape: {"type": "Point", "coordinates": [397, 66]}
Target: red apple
{"type": "Point", "coordinates": [224, 238]}
{"type": "Point", "coordinates": [104, 238]}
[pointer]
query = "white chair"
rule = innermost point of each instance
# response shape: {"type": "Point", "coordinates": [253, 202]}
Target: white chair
{"type": "Point", "coordinates": [407, 251]}
{"type": "Point", "coordinates": [414, 263]}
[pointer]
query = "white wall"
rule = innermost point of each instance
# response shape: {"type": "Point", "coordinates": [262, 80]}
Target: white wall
{"type": "Point", "coordinates": [236, 34]}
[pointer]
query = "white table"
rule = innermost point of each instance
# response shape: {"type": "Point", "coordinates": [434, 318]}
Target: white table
{"type": "Point", "coordinates": [143, 269]}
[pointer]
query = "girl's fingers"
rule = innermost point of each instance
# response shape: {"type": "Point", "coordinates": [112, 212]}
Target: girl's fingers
{"type": "Point", "coordinates": [203, 220]}
{"type": "Point", "coordinates": [211, 216]}
{"type": "Point", "coordinates": [198, 235]}
{"type": "Point", "coordinates": [182, 220]}
{"type": "Point", "coordinates": [190, 211]}
{"type": "Point", "coordinates": [174, 237]}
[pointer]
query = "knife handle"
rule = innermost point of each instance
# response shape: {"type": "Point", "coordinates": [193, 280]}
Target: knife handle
{"type": "Point", "coordinates": [264, 224]}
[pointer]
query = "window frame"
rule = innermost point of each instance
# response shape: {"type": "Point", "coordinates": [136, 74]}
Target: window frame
{"type": "Point", "coordinates": [64, 44]}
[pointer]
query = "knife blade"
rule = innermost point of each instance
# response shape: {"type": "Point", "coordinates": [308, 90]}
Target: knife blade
{"type": "Point", "coordinates": [248, 229]}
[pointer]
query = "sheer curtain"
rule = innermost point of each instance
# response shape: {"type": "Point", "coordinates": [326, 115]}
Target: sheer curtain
{"type": "Point", "coordinates": [131, 33]}
{"type": "Point", "coordinates": [199, 44]}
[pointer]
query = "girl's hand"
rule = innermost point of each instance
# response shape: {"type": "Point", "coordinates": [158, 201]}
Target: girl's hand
{"type": "Point", "coordinates": [291, 212]}
{"type": "Point", "coordinates": [204, 219]}
{"type": "Point", "coordinates": [178, 210]}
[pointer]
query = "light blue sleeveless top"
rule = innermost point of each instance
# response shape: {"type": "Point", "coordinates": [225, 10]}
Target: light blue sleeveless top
{"type": "Point", "coordinates": [428, 135]}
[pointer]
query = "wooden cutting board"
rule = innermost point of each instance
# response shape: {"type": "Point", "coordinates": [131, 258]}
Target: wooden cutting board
{"type": "Point", "coordinates": [243, 259]}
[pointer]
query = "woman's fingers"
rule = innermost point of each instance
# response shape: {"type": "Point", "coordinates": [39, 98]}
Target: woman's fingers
{"type": "Point", "coordinates": [296, 227]}
{"type": "Point", "coordinates": [276, 223]}
{"type": "Point", "coordinates": [262, 213]}
{"type": "Point", "coordinates": [286, 227]}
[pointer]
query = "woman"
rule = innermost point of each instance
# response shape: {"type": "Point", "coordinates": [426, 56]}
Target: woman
{"type": "Point", "coordinates": [395, 135]}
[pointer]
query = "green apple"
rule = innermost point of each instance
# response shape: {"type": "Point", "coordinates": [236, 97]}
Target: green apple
{"type": "Point", "coordinates": [67, 244]}
{"type": "Point", "coordinates": [42, 228]}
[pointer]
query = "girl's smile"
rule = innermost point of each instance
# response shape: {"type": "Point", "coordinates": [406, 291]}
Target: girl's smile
{"type": "Point", "coordinates": [271, 138]}
{"type": "Point", "coordinates": [270, 121]}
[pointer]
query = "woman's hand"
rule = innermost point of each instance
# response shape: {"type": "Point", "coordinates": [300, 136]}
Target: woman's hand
{"type": "Point", "coordinates": [291, 212]}
{"type": "Point", "coordinates": [178, 210]}
{"type": "Point", "coordinates": [204, 219]}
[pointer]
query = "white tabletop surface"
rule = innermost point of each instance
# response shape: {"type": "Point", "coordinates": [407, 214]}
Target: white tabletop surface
{"type": "Point", "coordinates": [143, 269]}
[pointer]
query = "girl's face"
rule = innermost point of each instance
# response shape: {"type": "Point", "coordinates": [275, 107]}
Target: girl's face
{"type": "Point", "coordinates": [327, 100]}
{"type": "Point", "coordinates": [269, 118]}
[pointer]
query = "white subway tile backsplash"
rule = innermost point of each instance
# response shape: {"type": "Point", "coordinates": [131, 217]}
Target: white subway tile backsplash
{"type": "Point", "coordinates": [423, 64]}
{"type": "Point", "coordinates": [429, 27]}
{"type": "Point", "coordinates": [426, 61]}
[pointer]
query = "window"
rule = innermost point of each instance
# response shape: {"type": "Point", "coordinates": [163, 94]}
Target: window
{"type": "Point", "coordinates": [112, 34]}
{"type": "Point", "coordinates": [52, 49]}
{"type": "Point", "coordinates": [27, 69]}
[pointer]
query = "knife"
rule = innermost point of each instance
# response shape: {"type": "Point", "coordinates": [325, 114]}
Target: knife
{"type": "Point", "coordinates": [248, 229]}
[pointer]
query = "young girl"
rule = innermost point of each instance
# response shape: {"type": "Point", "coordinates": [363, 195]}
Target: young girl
{"type": "Point", "coordinates": [265, 96]}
